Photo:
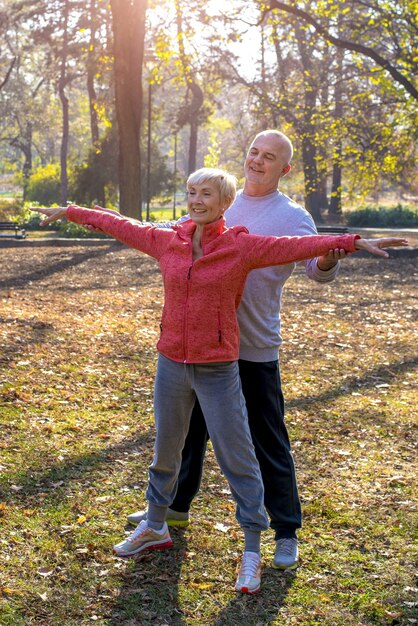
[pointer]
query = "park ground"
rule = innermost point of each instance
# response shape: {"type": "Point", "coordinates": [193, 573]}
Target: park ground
{"type": "Point", "coordinates": [78, 327]}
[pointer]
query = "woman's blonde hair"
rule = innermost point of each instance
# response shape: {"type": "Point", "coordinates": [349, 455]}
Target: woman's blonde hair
{"type": "Point", "coordinates": [227, 184]}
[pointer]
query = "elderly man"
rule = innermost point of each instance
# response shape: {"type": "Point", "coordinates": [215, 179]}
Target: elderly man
{"type": "Point", "coordinates": [264, 210]}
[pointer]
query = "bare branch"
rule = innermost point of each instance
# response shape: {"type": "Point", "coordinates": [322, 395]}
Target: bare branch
{"type": "Point", "coordinates": [8, 73]}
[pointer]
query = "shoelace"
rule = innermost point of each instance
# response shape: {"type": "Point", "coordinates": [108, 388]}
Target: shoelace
{"type": "Point", "coordinates": [249, 565]}
{"type": "Point", "coordinates": [287, 545]}
{"type": "Point", "coordinates": [139, 530]}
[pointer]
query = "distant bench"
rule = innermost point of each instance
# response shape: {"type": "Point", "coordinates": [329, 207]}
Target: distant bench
{"type": "Point", "coordinates": [12, 229]}
{"type": "Point", "coordinates": [333, 230]}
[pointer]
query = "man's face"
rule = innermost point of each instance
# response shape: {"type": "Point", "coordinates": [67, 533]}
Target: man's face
{"type": "Point", "coordinates": [265, 164]}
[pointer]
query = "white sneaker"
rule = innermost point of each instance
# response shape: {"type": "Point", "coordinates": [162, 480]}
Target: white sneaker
{"type": "Point", "coordinates": [144, 538]}
{"type": "Point", "coordinates": [174, 518]}
{"type": "Point", "coordinates": [249, 576]}
{"type": "Point", "coordinates": [287, 553]}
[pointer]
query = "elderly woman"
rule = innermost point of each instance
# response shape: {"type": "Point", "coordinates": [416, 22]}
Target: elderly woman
{"type": "Point", "coordinates": [204, 266]}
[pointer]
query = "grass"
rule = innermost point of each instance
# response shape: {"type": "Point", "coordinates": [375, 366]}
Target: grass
{"type": "Point", "coordinates": [78, 327]}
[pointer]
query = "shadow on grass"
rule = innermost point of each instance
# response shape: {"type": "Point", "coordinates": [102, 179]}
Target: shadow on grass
{"type": "Point", "coordinates": [36, 332]}
{"type": "Point", "coordinates": [54, 267]}
{"type": "Point", "coordinates": [381, 374]}
{"type": "Point", "coordinates": [138, 268]}
{"type": "Point", "coordinates": [32, 481]}
{"type": "Point", "coordinates": [261, 609]}
{"type": "Point", "coordinates": [150, 592]}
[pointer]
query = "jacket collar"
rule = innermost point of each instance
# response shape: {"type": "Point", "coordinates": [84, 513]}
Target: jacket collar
{"type": "Point", "coordinates": [210, 231]}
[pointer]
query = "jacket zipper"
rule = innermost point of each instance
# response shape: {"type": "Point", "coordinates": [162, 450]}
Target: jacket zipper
{"type": "Point", "coordinates": [189, 273]}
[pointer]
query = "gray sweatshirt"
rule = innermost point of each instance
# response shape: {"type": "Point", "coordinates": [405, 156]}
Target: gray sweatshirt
{"type": "Point", "coordinates": [259, 311]}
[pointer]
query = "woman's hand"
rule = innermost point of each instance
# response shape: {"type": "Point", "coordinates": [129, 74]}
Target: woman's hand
{"type": "Point", "coordinates": [56, 213]}
{"type": "Point", "coordinates": [374, 246]}
{"type": "Point", "coordinates": [52, 214]}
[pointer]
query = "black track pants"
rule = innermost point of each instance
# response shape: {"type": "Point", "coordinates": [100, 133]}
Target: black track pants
{"type": "Point", "coordinates": [261, 386]}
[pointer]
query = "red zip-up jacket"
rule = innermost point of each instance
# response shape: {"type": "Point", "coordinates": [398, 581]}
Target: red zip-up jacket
{"type": "Point", "coordinates": [199, 323]}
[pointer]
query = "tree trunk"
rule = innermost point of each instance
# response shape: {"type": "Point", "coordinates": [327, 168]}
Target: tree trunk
{"type": "Point", "coordinates": [91, 72]}
{"type": "Point", "coordinates": [128, 18]}
{"type": "Point", "coordinates": [24, 143]}
{"type": "Point", "coordinates": [321, 160]}
{"type": "Point", "coordinates": [65, 107]}
{"type": "Point", "coordinates": [312, 193]}
{"type": "Point", "coordinates": [197, 93]}
{"type": "Point", "coordinates": [335, 207]}
{"type": "Point", "coordinates": [309, 153]}
{"type": "Point", "coordinates": [197, 101]}
{"type": "Point", "coordinates": [27, 165]}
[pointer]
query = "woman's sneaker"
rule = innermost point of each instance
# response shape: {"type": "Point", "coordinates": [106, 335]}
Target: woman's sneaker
{"type": "Point", "coordinates": [174, 518]}
{"type": "Point", "coordinates": [249, 577]}
{"type": "Point", "coordinates": [144, 538]}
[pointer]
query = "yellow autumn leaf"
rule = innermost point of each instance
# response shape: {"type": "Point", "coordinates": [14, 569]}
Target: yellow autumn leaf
{"type": "Point", "coordinates": [7, 591]}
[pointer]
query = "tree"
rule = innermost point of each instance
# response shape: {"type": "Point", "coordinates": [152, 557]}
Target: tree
{"type": "Point", "coordinates": [52, 35]}
{"type": "Point", "coordinates": [380, 14]}
{"type": "Point", "coordinates": [192, 109]}
{"type": "Point", "coordinates": [62, 83]}
{"type": "Point", "coordinates": [93, 69]}
{"type": "Point", "coordinates": [128, 19]}
{"type": "Point", "coordinates": [317, 92]}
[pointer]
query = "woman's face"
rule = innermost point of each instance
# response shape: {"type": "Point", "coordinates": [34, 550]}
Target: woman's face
{"type": "Point", "coordinates": [203, 203]}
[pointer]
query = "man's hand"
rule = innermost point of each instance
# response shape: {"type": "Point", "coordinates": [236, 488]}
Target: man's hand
{"type": "Point", "coordinates": [374, 246]}
{"type": "Point", "coordinates": [327, 261]}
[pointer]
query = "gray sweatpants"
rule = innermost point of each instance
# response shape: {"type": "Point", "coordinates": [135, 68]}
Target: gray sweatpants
{"type": "Point", "coordinates": [218, 389]}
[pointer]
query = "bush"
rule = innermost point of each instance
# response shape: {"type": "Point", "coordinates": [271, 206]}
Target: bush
{"type": "Point", "coordinates": [44, 185]}
{"type": "Point", "coordinates": [31, 220]}
{"type": "Point", "coordinates": [10, 209]}
{"type": "Point", "coordinates": [69, 229]}
{"type": "Point", "coordinates": [398, 216]}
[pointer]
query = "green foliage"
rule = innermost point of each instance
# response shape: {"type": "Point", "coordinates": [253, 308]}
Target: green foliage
{"type": "Point", "coordinates": [44, 184]}
{"type": "Point", "coordinates": [214, 151]}
{"type": "Point", "coordinates": [71, 230]}
{"type": "Point", "coordinates": [384, 216]}
{"type": "Point", "coordinates": [101, 171]}
{"type": "Point", "coordinates": [32, 221]}
{"type": "Point", "coordinates": [99, 174]}
{"type": "Point", "coordinates": [9, 209]}
{"type": "Point", "coordinates": [161, 178]}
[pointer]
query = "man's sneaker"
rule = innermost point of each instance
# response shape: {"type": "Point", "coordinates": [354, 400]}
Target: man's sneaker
{"type": "Point", "coordinates": [144, 538]}
{"type": "Point", "coordinates": [249, 576]}
{"type": "Point", "coordinates": [174, 518]}
{"type": "Point", "coordinates": [287, 553]}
